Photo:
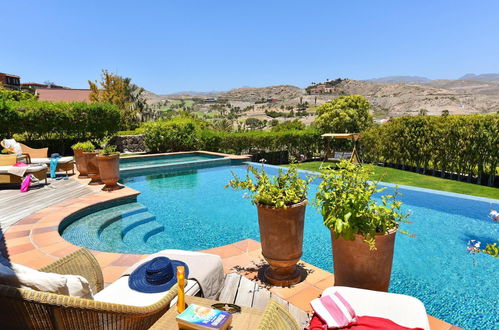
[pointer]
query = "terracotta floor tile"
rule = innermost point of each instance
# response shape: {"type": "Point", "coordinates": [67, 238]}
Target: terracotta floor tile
{"type": "Point", "coordinates": [437, 324]}
{"type": "Point", "coordinates": [241, 260]}
{"type": "Point", "coordinates": [29, 220]}
{"type": "Point", "coordinates": [65, 251]}
{"type": "Point", "coordinates": [287, 292]}
{"type": "Point", "coordinates": [302, 299]}
{"type": "Point", "coordinates": [17, 234]}
{"type": "Point", "coordinates": [34, 259]}
{"type": "Point", "coordinates": [52, 248]}
{"type": "Point", "coordinates": [225, 251]}
{"type": "Point", "coordinates": [316, 274]}
{"type": "Point", "coordinates": [106, 259]}
{"type": "Point", "coordinates": [46, 239]}
{"type": "Point", "coordinates": [40, 230]}
{"type": "Point", "coordinates": [20, 248]}
{"type": "Point", "coordinates": [325, 283]}
{"type": "Point", "coordinates": [247, 245]}
{"type": "Point", "coordinates": [127, 260]}
{"type": "Point", "coordinates": [111, 273]}
{"type": "Point", "coordinates": [41, 261]}
{"type": "Point", "coordinates": [18, 227]}
{"type": "Point", "coordinates": [17, 241]}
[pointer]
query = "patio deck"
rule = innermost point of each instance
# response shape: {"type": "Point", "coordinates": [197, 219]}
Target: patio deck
{"type": "Point", "coordinates": [16, 205]}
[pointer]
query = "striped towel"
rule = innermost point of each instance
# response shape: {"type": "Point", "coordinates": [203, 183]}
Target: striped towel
{"type": "Point", "coordinates": [334, 310]}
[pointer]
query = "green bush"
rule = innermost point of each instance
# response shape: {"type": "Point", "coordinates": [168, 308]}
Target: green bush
{"type": "Point", "coordinates": [184, 134]}
{"type": "Point", "coordinates": [177, 134]}
{"type": "Point", "coordinates": [464, 145]}
{"type": "Point", "coordinates": [41, 120]}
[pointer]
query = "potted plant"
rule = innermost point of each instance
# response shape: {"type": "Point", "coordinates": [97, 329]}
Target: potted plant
{"type": "Point", "coordinates": [281, 201]}
{"type": "Point", "coordinates": [362, 232]}
{"type": "Point", "coordinates": [109, 167]}
{"type": "Point", "coordinates": [92, 166]}
{"type": "Point", "coordinates": [81, 164]}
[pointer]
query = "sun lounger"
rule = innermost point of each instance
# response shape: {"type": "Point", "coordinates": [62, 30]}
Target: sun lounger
{"type": "Point", "coordinates": [38, 156]}
{"type": "Point", "coordinates": [401, 309]}
{"type": "Point", "coordinates": [30, 309]}
{"type": "Point", "coordinates": [12, 174]}
{"type": "Point", "coordinates": [65, 164]}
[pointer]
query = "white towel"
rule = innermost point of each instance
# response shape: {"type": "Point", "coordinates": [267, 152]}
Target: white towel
{"type": "Point", "coordinates": [205, 268]}
{"type": "Point", "coordinates": [17, 170]}
{"type": "Point", "coordinates": [334, 310]}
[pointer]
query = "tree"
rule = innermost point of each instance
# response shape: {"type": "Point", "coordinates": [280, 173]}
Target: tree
{"type": "Point", "coordinates": [288, 126]}
{"type": "Point", "coordinates": [121, 92]}
{"type": "Point", "coordinates": [345, 114]}
{"type": "Point", "coordinates": [445, 113]}
{"type": "Point", "coordinates": [423, 112]}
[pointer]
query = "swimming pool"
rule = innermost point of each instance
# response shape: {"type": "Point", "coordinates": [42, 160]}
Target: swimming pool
{"type": "Point", "coordinates": [177, 208]}
{"type": "Point", "coordinates": [152, 161]}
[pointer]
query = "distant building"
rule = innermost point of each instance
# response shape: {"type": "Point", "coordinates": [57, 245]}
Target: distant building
{"type": "Point", "coordinates": [63, 95]}
{"type": "Point", "coordinates": [10, 81]}
{"type": "Point", "coordinates": [34, 85]}
{"type": "Point", "coordinates": [211, 100]}
{"type": "Point", "coordinates": [321, 89]}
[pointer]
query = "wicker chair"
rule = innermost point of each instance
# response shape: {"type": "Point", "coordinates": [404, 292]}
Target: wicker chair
{"type": "Point", "coordinates": [29, 309]}
{"type": "Point", "coordinates": [277, 318]}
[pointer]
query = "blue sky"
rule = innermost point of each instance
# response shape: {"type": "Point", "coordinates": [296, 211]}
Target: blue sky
{"type": "Point", "coordinates": [168, 46]}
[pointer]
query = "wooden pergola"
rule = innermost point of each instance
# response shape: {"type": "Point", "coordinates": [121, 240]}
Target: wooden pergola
{"type": "Point", "coordinates": [352, 155]}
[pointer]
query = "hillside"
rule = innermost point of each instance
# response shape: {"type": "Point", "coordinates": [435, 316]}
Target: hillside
{"type": "Point", "coordinates": [389, 96]}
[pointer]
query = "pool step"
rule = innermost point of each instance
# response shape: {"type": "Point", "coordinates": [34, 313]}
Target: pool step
{"type": "Point", "coordinates": [122, 228]}
{"type": "Point", "coordinates": [138, 236]}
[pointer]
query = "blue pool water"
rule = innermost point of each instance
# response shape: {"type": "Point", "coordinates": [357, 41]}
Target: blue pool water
{"type": "Point", "coordinates": [192, 210]}
{"type": "Point", "coordinates": [132, 162]}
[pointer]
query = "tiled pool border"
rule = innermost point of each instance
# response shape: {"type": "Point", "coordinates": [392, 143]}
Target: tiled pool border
{"type": "Point", "coordinates": [35, 241]}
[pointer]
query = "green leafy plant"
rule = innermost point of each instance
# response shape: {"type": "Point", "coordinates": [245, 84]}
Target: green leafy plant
{"type": "Point", "coordinates": [108, 150]}
{"type": "Point", "coordinates": [280, 191]}
{"type": "Point", "coordinates": [85, 146]}
{"type": "Point", "coordinates": [345, 200]}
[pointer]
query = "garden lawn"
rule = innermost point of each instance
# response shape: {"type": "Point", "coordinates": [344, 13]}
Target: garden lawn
{"type": "Point", "coordinates": [391, 175]}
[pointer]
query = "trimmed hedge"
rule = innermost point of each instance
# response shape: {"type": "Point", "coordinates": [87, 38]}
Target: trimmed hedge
{"type": "Point", "coordinates": [41, 120]}
{"type": "Point", "coordinates": [186, 134]}
{"type": "Point", "coordinates": [455, 146]}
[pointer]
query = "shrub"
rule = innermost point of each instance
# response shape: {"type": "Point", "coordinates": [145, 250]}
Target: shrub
{"type": "Point", "coordinates": [36, 120]}
{"type": "Point", "coordinates": [345, 199]}
{"type": "Point", "coordinates": [177, 134]}
{"type": "Point", "coordinates": [283, 190]}
{"type": "Point", "coordinates": [345, 114]}
{"type": "Point", "coordinates": [465, 145]}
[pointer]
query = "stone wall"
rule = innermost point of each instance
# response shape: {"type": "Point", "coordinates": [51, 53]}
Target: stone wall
{"type": "Point", "coordinates": [129, 143]}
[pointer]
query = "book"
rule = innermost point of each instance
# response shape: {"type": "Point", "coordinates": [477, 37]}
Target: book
{"type": "Point", "coordinates": [201, 318]}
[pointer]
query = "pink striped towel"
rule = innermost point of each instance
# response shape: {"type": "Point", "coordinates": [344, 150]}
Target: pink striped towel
{"type": "Point", "coordinates": [334, 310]}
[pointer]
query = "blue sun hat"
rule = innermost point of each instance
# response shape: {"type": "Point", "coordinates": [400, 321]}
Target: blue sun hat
{"type": "Point", "coordinates": [157, 275]}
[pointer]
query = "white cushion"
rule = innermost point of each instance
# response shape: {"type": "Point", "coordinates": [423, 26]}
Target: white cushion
{"type": "Point", "coordinates": [30, 169]}
{"type": "Point", "coordinates": [401, 309]}
{"type": "Point", "coordinates": [11, 143]}
{"type": "Point", "coordinates": [119, 292]}
{"type": "Point", "coordinates": [28, 278]}
{"type": "Point", "coordinates": [65, 159]}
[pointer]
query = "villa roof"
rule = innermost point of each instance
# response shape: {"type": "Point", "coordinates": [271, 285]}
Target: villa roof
{"type": "Point", "coordinates": [64, 95]}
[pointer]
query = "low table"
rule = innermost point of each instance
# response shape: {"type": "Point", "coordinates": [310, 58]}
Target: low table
{"type": "Point", "coordinates": [248, 319]}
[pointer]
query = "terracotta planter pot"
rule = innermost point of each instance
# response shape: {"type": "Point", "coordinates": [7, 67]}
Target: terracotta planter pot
{"type": "Point", "coordinates": [281, 235]}
{"type": "Point", "coordinates": [357, 266]}
{"type": "Point", "coordinates": [81, 163]}
{"type": "Point", "coordinates": [92, 167]}
{"type": "Point", "coordinates": [109, 169]}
